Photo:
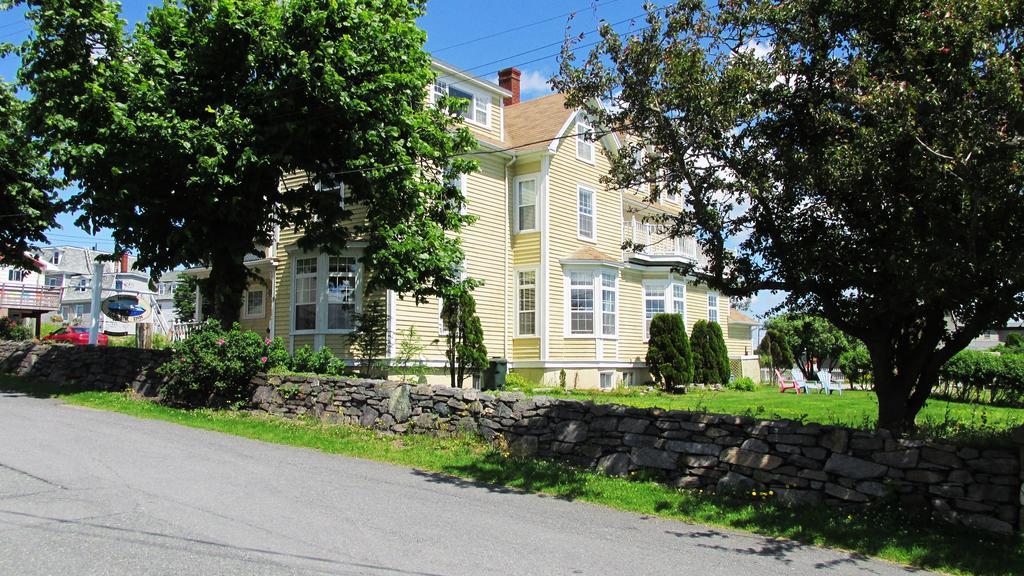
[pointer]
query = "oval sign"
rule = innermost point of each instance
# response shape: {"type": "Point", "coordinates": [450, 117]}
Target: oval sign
{"type": "Point", "coordinates": [125, 308]}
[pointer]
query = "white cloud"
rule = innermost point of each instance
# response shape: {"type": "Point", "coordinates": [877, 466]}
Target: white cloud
{"type": "Point", "coordinates": [533, 83]}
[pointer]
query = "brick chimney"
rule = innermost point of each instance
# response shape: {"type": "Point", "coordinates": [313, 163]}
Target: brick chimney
{"type": "Point", "coordinates": [124, 263]}
{"type": "Point", "coordinates": [509, 80]}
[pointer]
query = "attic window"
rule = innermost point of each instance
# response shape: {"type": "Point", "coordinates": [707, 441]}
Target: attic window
{"type": "Point", "coordinates": [584, 140]}
{"type": "Point", "coordinates": [55, 258]}
{"type": "Point", "coordinates": [333, 185]}
{"type": "Point", "coordinates": [475, 109]}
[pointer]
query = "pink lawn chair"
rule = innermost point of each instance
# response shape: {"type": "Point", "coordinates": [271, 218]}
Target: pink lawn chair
{"type": "Point", "coordinates": [785, 384]}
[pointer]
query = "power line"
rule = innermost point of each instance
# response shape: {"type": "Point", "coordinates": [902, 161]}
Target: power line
{"type": "Point", "coordinates": [523, 27]}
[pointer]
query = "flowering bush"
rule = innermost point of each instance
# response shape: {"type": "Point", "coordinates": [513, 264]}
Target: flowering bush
{"type": "Point", "coordinates": [13, 330]}
{"type": "Point", "coordinates": [215, 367]}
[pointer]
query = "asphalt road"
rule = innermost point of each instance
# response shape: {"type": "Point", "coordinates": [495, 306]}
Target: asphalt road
{"type": "Point", "coordinates": [85, 492]}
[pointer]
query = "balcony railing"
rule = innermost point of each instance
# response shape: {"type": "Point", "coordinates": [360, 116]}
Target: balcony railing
{"type": "Point", "coordinates": [653, 241]}
{"type": "Point", "coordinates": [26, 297]}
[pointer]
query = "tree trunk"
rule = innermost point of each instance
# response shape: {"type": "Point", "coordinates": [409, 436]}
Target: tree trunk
{"type": "Point", "coordinates": [228, 281]}
{"type": "Point", "coordinates": [903, 388]}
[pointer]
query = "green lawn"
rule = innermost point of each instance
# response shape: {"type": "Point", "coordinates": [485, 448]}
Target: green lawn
{"type": "Point", "coordinates": [879, 531]}
{"type": "Point", "coordinates": [854, 408]}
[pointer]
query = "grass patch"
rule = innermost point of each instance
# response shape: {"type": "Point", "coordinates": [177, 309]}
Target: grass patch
{"type": "Point", "coordinates": [878, 531]}
{"type": "Point", "coordinates": [956, 421]}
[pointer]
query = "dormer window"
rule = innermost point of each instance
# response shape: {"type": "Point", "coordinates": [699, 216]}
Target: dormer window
{"type": "Point", "coordinates": [477, 107]}
{"type": "Point", "coordinates": [55, 258]}
{"type": "Point", "coordinates": [584, 140]}
{"type": "Point", "coordinates": [333, 185]}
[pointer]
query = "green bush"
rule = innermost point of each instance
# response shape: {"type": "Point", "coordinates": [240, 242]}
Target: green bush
{"type": "Point", "coordinates": [977, 376]}
{"type": "Point", "coordinates": [669, 357]}
{"type": "Point", "coordinates": [1015, 340]}
{"type": "Point", "coordinates": [516, 381]}
{"type": "Point", "coordinates": [13, 330]}
{"type": "Point", "coordinates": [743, 384]}
{"type": "Point", "coordinates": [855, 364]}
{"type": "Point", "coordinates": [710, 356]}
{"type": "Point", "coordinates": [214, 367]}
{"type": "Point", "coordinates": [322, 362]}
{"type": "Point", "coordinates": [775, 351]}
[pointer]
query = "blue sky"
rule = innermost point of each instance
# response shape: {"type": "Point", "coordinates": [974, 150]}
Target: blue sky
{"type": "Point", "coordinates": [480, 37]}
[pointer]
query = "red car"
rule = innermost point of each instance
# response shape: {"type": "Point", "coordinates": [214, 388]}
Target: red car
{"type": "Point", "coordinates": [77, 335]}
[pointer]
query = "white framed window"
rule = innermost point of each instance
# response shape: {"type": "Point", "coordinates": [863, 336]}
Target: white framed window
{"type": "Point", "coordinates": [628, 378]}
{"type": "Point", "coordinates": [442, 329]}
{"type": "Point", "coordinates": [79, 310]}
{"type": "Point", "coordinates": [333, 188]}
{"type": "Point", "coordinates": [585, 288]}
{"type": "Point", "coordinates": [663, 297]}
{"type": "Point", "coordinates": [654, 303]}
{"type": "Point", "coordinates": [584, 140]}
{"type": "Point", "coordinates": [581, 303]}
{"type": "Point", "coordinates": [587, 210]}
{"type": "Point", "coordinates": [526, 204]}
{"type": "Point", "coordinates": [679, 300]}
{"type": "Point", "coordinates": [306, 272]}
{"type": "Point", "coordinates": [459, 183]}
{"type": "Point", "coordinates": [526, 302]}
{"type": "Point", "coordinates": [55, 281]}
{"type": "Point", "coordinates": [712, 307]}
{"type": "Point", "coordinates": [55, 257]}
{"type": "Point", "coordinates": [476, 109]}
{"type": "Point", "coordinates": [341, 281]}
{"type": "Point", "coordinates": [440, 90]}
{"type": "Point", "coordinates": [609, 303]}
{"type": "Point", "coordinates": [255, 304]}
{"type": "Point", "coordinates": [15, 275]}
{"type": "Point", "coordinates": [606, 380]}
{"type": "Point", "coordinates": [326, 295]}
{"type": "Point", "coordinates": [83, 285]}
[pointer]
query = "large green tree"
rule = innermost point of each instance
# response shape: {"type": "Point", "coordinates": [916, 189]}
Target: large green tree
{"type": "Point", "coordinates": [810, 337]}
{"type": "Point", "coordinates": [864, 156]}
{"type": "Point", "coordinates": [28, 204]}
{"type": "Point", "coordinates": [180, 132]}
{"type": "Point", "coordinates": [669, 357]}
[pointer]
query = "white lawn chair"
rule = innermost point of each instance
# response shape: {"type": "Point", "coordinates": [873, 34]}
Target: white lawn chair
{"type": "Point", "coordinates": [802, 382]}
{"type": "Point", "coordinates": [825, 377]}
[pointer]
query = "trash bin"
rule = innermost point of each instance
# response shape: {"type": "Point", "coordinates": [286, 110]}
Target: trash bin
{"type": "Point", "coordinates": [494, 376]}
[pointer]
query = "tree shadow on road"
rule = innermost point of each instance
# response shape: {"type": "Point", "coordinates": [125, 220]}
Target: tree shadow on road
{"type": "Point", "coordinates": [496, 473]}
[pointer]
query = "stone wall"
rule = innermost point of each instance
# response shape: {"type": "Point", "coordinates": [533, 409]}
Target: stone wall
{"type": "Point", "coordinates": [804, 464]}
{"type": "Point", "coordinates": [85, 367]}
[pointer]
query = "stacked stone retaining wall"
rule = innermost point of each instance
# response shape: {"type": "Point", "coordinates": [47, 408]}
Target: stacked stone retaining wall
{"type": "Point", "coordinates": [804, 464]}
{"type": "Point", "coordinates": [85, 367]}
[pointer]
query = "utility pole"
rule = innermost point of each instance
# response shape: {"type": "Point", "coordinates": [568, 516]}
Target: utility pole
{"type": "Point", "coordinates": [97, 299]}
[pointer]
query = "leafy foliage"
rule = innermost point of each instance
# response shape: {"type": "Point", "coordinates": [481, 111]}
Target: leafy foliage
{"type": "Point", "coordinates": [409, 358]}
{"type": "Point", "coordinates": [742, 385]}
{"type": "Point", "coordinates": [185, 298]}
{"type": "Point", "coordinates": [214, 366]}
{"type": "Point", "coordinates": [981, 376]}
{"type": "Point", "coordinates": [178, 133]}
{"type": "Point", "coordinates": [810, 337]}
{"type": "Point", "coordinates": [369, 341]}
{"type": "Point", "coordinates": [775, 351]}
{"type": "Point", "coordinates": [669, 357]}
{"type": "Point", "coordinates": [322, 361]}
{"type": "Point", "coordinates": [1015, 340]}
{"type": "Point", "coordinates": [28, 202]}
{"type": "Point", "coordinates": [710, 356]}
{"type": "Point", "coordinates": [868, 156]}
{"type": "Point", "coordinates": [13, 330]}
{"type": "Point", "coordinates": [466, 351]}
{"type": "Point", "coordinates": [855, 364]}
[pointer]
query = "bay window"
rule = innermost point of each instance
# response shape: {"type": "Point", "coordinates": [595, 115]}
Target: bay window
{"type": "Point", "coordinates": [526, 205]}
{"type": "Point", "coordinates": [663, 296]}
{"type": "Point", "coordinates": [526, 300]}
{"type": "Point", "coordinates": [326, 293]}
{"type": "Point", "coordinates": [585, 318]}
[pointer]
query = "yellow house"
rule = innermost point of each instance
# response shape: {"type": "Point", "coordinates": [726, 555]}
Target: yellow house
{"type": "Point", "coordinates": [559, 293]}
